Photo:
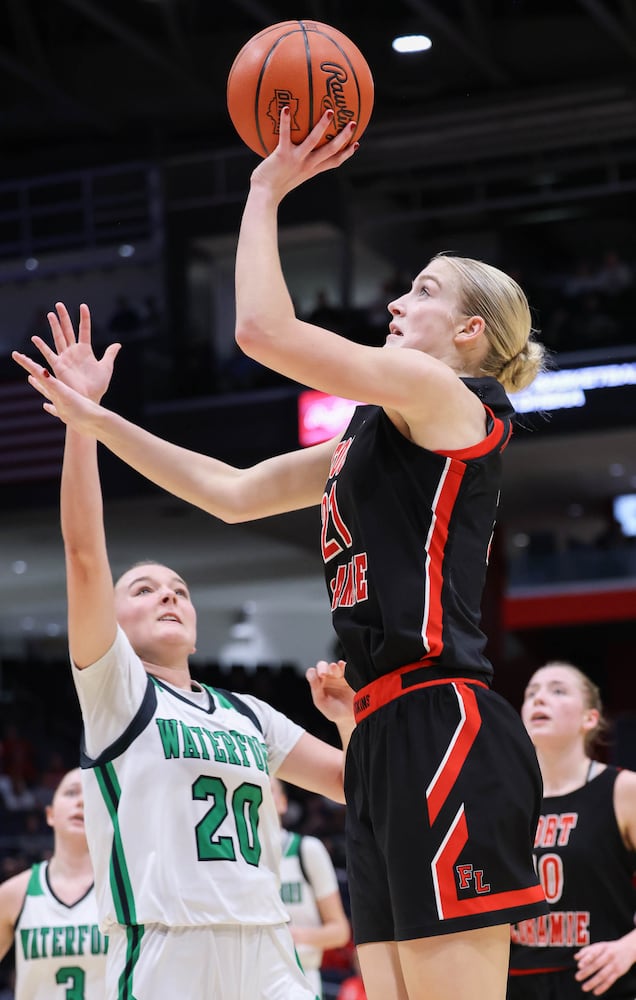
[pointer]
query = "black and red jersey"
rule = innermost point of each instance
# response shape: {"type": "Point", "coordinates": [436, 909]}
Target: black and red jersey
{"type": "Point", "coordinates": [406, 534]}
{"type": "Point", "coordinates": [587, 876]}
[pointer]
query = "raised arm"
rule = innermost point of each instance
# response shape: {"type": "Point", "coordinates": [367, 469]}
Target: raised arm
{"type": "Point", "coordinates": [91, 606]}
{"type": "Point", "coordinates": [409, 382]}
{"type": "Point", "coordinates": [283, 483]}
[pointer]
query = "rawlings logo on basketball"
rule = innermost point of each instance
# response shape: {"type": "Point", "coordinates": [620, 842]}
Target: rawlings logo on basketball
{"type": "Point", "coordinates": [282, 99]}
{"type": "Point", "coordinates": [335, 100]}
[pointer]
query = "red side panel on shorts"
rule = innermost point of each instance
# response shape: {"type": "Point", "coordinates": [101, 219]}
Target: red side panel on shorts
{"type": "Point", "coordinates": [443, 865]}
{"type": "Point", "coordinates": [443, 504]}
{"type": "Point", "coordinates": [458, 750]}
{"type": "Point", "coordinates": [443, 870]}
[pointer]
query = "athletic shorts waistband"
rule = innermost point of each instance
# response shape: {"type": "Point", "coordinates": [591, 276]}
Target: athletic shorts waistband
{"type": "Point", "coordinates": [391, 686]}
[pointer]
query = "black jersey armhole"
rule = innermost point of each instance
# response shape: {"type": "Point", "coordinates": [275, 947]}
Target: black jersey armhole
{"type": "Point", "coordinates": [238, 704]}
{"type": "Point", "coordinates": [137, 726]}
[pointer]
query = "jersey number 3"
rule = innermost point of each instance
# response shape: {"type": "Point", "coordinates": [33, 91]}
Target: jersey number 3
{"type": "Point", "coordinates": [73, 978]}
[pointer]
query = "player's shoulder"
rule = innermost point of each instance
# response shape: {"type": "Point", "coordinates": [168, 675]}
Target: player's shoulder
{"type": "Point", "coordinates": [626, 779]}
{"type": "Point", "coordinates": [12, 893]}
{"type": "Point", "coordinates": [625, 804]}
{"type": "Point", "coordinates": [313, 847]}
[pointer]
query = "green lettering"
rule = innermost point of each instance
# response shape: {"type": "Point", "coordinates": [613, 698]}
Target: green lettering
{"type": "Point", "coordinates": [219, 753]}
{"type": "Point", "coordinates": [291, 892]}
{"type": "Point", "coordinates": [241, 741]}
{"type": "Point", "coordinates": [82, 932]}
{"type": "Point", "coordinates": [44, 932]}
{"type": "Point", "coordinates": [255, 747]}
{"type": "Point", "coordinates": [70, 941]}
{"type": "Point", "coordinates": [230, 747]}
{"type": "Point", "coordinates": [58, 947]}
{"type": "Point", "coordinates": [96, 941]}
{"type": "Point", "coordinates": [204, 749]}
{"type": "Point", "coordinates": [169, 737]}
{"type": "Point", "coordinates": [189, 746]}
{"type": "Point", "coordinates": [24, 940]}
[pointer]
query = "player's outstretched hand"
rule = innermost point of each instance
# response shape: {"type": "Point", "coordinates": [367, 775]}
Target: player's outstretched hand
{"type": "Point", "coordinates": [292, 164]}
{"type": "Point", "coordinates": [71, 407]}
{"type": "Point", "coordinates": [73, 361]}
{"type": "Point", "coordinates": [330, 692]}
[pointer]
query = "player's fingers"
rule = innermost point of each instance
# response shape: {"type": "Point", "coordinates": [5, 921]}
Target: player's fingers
{"type": "Point", "coordinates": [49, 355]}
{"type": "Point", "coordinates": [319, 129]}
{"type": "Point", "coordinates": [333, 159]}
{"type": "Point", "coordinates": [66, 326]}
{"type": "Point", "coordinates": [337, 143]}
{"type": "Point", "coordinates": [284, 125]}
{"type": "Point", "coordinates": [111, 353]}
{"type": "Point", "coordinates": [598, 984]}
{"type": "Point", "coordinates": [84, 335]}
{"type": "Point", "coordinates": [334, 670]}
{"type": "Point", "coordinates": [25, 362]}
{"type": "Point", "coordinates": [41, 383]}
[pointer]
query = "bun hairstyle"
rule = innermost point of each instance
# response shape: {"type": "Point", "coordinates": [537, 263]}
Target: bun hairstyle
{"type": "Point", "coordinates": [515, 358]}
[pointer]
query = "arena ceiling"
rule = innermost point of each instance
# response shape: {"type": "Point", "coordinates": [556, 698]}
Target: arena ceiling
{"type": "Point", "coordinates": [85, 82]}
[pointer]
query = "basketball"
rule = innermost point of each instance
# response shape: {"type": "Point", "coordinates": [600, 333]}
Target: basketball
{"type": "Point", "coordinates": [306, 66]}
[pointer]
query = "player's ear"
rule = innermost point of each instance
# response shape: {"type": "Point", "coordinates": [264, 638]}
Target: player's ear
{"type": "Point", "coordinates": [470, 329]}
{"type": "Point", "coordinates": [590, 719]}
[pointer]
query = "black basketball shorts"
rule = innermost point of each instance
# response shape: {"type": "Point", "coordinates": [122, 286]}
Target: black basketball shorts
{"type": "Point", "coordinates": [443, 795]}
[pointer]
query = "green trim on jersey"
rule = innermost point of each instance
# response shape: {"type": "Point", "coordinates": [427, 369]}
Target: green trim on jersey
{"type": "Point", "coordinates": [222, 700]}
{"type": "Point", "coordinates": [293, 850]}
{"type": "Point", "coordinates": [133, 947]}
{"type": "Point", "coordinates": [120, 886]}
{"type": "Point", "coordinates": [293, 847]}
{"type": "Point", "coordinates": [35, 888]}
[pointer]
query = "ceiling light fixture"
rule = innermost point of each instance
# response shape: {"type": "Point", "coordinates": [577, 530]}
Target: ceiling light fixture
{"type": "Point", "coordinates": [411, 43]}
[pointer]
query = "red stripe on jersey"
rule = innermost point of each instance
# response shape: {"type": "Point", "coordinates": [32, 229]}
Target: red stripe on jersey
{"type": "Point", "coordinates": [494, 439]}
{"type": "Point", "coordinates": [443, 871]}
{"type": "Point", "coordinates": [443, 505]}
{"type": "Point", "coordinates": [458, 749]}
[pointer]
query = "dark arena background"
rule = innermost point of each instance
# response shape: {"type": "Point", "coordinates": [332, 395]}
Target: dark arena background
{"type": "Point", "coordinates": [512, 139]}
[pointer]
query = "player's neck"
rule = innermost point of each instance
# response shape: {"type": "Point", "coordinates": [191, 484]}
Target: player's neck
{"type": "Point", "coordinates": [177, 675]}
{"type": "Point", "coordinates": [563, 771]}
{"type": "Point", "coordinates": [70, 864]}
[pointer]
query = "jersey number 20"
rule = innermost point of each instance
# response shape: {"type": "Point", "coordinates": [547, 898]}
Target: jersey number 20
{"type": "Point", "coordinates": [245, 804]}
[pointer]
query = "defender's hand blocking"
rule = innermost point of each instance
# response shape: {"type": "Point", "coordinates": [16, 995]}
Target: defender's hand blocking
{"type": "Point", "coordinates": [330, 692]}
{"type": "Point", "coordinates": [69, 406]}
{"type": "Point", "coordinates": [73, 361]}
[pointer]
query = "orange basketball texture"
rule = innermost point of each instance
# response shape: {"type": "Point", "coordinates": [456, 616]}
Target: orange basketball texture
{"type": "Point", "coordinates": [307, 66]}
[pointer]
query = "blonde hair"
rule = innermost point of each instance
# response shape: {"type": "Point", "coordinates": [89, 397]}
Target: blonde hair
{"type": "Point", "coordinates": [592, 699]}
{"type": "Point", "coordinates": [514, 358]}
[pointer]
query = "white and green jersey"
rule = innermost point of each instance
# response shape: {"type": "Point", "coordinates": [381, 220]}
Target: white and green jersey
{"type": "Point", "coordinates": [60, 952]}
{"type": "Point", "coordinates": [307, 874]}
{"type": "Point", "coordinates": [179, 814]}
